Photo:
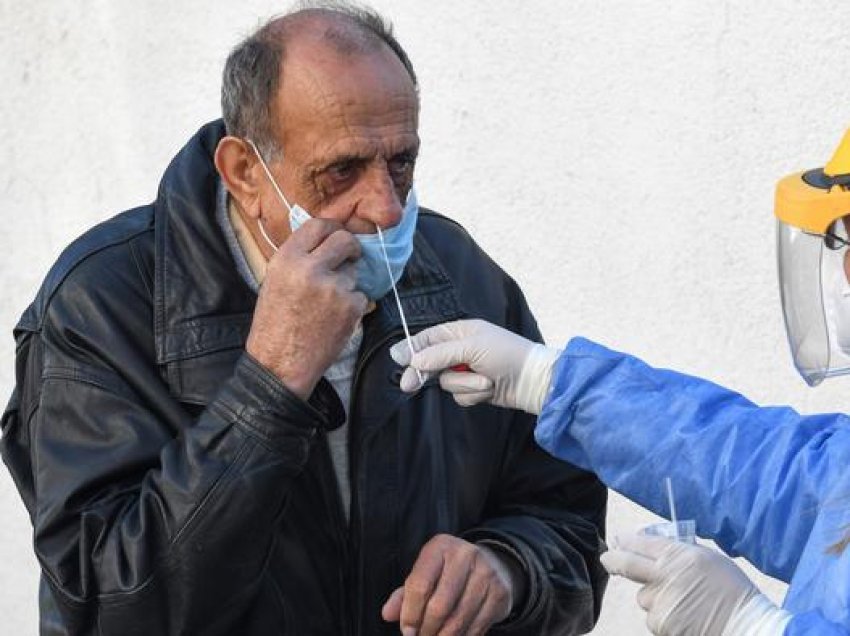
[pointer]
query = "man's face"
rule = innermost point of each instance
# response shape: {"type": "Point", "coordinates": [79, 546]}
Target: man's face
{"type": "Point", "coordinates": [347, 126]}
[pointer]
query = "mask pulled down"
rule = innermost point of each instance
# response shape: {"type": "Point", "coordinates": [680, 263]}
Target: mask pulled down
{"type": "Point", "coordinates": [384, 254]}
{"type": "Point", "coordinates": [378, 268]}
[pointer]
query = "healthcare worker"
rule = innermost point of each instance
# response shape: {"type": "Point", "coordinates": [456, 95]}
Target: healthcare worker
{"type": "Point", "coordinates": [764, 482]}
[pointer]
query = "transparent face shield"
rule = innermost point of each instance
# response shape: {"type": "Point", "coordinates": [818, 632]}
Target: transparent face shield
{"type": "Point", "coordinates": [816, 298]}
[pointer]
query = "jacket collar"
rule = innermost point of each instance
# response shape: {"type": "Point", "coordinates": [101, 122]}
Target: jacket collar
{"type": "Point", "coordinates": [202, 305]}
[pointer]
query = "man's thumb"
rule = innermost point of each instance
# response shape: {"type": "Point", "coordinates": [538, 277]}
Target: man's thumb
{"type": "Point", "coordinates": [391, 612]}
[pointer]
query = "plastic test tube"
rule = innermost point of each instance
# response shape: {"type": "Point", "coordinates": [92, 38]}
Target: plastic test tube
{"type": "Point", "coordinates": [683, 531]}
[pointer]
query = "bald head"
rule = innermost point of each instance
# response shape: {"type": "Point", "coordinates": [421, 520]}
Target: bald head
{"type": "Point", "coordinates": [253, 71]}
{"type": "Point", "coordinates": [346, 34]}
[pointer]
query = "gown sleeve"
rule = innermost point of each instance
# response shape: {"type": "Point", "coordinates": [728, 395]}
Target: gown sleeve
{"type": "Point", "coordinates": [754, 478]}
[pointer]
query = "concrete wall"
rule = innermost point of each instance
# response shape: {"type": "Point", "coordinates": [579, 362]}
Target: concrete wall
{"type": "Point", "coordinates": [618, 158]}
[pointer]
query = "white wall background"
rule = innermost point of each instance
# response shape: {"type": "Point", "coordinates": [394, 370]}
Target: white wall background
{"type": "Point", "coordinates": [618, 158]}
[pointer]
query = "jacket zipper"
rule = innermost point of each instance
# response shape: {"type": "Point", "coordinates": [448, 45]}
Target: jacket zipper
{"type": "Point", "coordinates": [347, 538]}
{"type": "Point", "coordinates": [353, 477]}
{"type": "Point", "coordinates": [338, 520]}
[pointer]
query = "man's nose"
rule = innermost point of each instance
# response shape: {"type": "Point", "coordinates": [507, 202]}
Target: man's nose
{"type": "Point", "coordinates": [380, 204]}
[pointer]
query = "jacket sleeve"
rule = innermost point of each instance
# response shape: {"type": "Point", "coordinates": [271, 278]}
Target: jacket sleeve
{"type": "Point", "coordinates": [549, 515]}
{"type": "Point", "coordinates": [133, 501]}
{"type": "Point", "coordinates": [754, 478]}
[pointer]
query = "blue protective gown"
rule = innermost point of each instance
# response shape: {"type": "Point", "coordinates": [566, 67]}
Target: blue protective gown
{"type": "Point", "coordinates": [765, 483]}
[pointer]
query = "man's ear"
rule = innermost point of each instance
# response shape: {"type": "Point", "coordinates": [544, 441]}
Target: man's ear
{"type": "Point", "coordinates": [236, 164]}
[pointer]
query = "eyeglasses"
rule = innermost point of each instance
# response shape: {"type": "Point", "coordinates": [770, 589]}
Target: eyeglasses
{"type": "Point", "coordinates": [836, 237]}
{"type": "Point", "coordinates": [832, 241]}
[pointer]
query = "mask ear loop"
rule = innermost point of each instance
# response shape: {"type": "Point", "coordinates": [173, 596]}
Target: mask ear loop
{"type": "Point", "coordinates": [398, 302]}
{"type": "Point", "coordinates": [277, 189]}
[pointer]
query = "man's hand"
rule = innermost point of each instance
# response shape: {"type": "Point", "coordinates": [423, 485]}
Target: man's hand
{"type": "Point", "coordinates": [455, 587]}
{"type": "Point", "coordinates": [307, 306]}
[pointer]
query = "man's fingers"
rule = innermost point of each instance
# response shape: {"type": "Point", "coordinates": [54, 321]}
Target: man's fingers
{"type": "Point", "coordinates": [489, 613]}
{"type": "Point", "coordinates": [487, 599]}
{"type": "Point", "coordinates": [467, 610]}
{"type": "Point", "coordinates": [336, 249]}
{"type": "Point", "coordinates": [628, 564]}
{"type": "Point", "coordinates": [449, 591]}
{"type": "Point", "coordinates": [348, 269]}
{"type": "Point", "coordinates": [361, 302]}
{"type": "Point", "coordinates": [391, 612]}
{"type": "Point", "coordinates": [419, 586]}
{"type": "Point", "coordinates": [310, 235]}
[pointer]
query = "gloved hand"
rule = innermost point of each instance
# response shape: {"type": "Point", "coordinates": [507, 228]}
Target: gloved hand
{"type": "Point", "coordinates": [505, 368]}
{"type": "Point", "coordinates": [693, 590]}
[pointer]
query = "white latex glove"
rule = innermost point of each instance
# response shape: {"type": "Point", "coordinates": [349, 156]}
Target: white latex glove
{"type": "Point", "coordinates": [505, 369]}
{"type": "Point", "coordinates": [692, 590]}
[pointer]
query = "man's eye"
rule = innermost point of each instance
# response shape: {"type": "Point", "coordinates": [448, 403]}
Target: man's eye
{"type": "Point", "coordinates": [400, 166]}
{"type": "Point", "coordinates": [341, 171]}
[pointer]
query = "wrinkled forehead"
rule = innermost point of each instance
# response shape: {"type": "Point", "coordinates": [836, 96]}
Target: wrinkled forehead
{"type": "Point", "coordinates": [321, 87]}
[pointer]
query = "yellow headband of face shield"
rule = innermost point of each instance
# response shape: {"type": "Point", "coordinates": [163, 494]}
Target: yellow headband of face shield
{"type": "Point", "coordinates": [815, 199]}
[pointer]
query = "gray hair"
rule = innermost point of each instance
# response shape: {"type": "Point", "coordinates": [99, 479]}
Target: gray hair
{"type": "Point", "coordinates": [251, 75]}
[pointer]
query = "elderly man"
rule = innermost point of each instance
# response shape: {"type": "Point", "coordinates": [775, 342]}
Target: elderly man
{"type": "Point", "coordinates": [207, 428]}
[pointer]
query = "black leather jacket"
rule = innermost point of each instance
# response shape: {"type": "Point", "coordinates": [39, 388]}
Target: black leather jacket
{"type": "Point", "coordinates": [176, 487]}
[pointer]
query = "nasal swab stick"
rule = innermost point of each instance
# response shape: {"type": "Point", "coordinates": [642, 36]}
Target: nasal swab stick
{"type": "Point", "coordinates": [398, 303]}
{"type": "Point", "coordinates": [672, 502]}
